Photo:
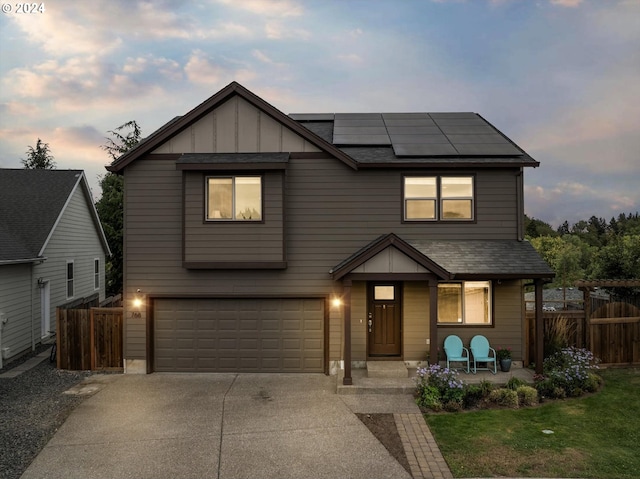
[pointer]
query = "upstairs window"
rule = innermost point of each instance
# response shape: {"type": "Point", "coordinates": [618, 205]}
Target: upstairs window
{"type": "Point", "coordinates": [432, 198]}
{"type": "Point", "coordinates": [456, 197]}
{"type": "Point", "coordinates": [420, 198]}
{"type": "Point", "coordinates": [234, 198]}
{"type": "Point", "coordinates": [464, 303]}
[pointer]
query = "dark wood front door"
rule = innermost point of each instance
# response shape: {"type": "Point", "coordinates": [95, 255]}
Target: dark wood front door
{"type": "Point", "coordinates": [384, 331]}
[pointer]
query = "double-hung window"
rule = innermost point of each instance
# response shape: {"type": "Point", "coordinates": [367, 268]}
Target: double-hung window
{"type": "Point", "coordinates": [234, 198]}
{"type": "Point", "coordinates": [432, 198]}
{"type": "Point", "coordinates": [464, 303]}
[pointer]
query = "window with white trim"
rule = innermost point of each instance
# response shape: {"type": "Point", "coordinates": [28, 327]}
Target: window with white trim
{"type": "Point", "coordinates": [234, 198]}
{"type": "Point", "coordinates": [70, 275]}
{"type": "Point", "coordinates": [465, 303]}
{"type": "Point", "coordinates": [432, 198]}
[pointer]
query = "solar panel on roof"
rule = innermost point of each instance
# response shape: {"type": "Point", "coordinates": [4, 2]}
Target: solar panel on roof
{"type": "Point", "coordinates": [414, 130]}
{"type": "Point", "coordinates": [361, 139]}
{"type": "Point", "coordinates": [440, 149]}
{"type": "Point", "coordinates": [479, 139]}
{"type": "Point", "coordinates": [359, 130]}
{"type": "Point", "coordinates": [410, 122]}
{"type": "Point", "coordinates": [488, 149]}
{"type": "Point", "coordinates": [405, 116]}
{"type": "Point", "coordinates": [357, 116]}
{"type": "Point", "coordinates": [453, 115]}
{"type": "Point", "coordinates": [467, 130]}
{"type": "Point", "coordinates": [418, 139]}
{"type": "Point", "coordinates": [358, 123]}
{"type": "Point", "coordinates": [460, 121]}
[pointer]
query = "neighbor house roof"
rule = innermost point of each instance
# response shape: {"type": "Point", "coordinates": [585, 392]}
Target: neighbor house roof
{"type": "Point", "coordinates": [368, 140]}
{"type": "Point", "coordinates": [458, 259]}
{"type": "Point", "coordinates": [32, 202]}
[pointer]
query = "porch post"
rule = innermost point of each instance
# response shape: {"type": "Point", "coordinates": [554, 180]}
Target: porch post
{"type": "Point", "coordinates": [433, 321]}
{"type": "Point", "coordinates": [539, 357]}
{"type": "Point", "coordinates": [346, 301]}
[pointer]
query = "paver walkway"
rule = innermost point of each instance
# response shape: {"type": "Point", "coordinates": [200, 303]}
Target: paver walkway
{"type": "Point", "coordinates": [424, 456]}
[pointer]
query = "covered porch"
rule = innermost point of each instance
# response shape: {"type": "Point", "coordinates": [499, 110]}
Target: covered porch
{"type": "Point", "coordinates": [391, 259]}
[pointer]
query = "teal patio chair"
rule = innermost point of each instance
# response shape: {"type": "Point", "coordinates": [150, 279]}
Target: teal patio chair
{"type": "Point", "coordinates": [455, 351]}
{"type": "Point", "coordinates": [481, 352]}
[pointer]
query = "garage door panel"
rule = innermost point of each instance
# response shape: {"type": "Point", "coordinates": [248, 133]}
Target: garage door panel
{"type": "Point", "coordinates": [275, 335]}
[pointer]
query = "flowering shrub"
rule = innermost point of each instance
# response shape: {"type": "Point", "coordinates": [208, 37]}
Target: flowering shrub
{"type": "Point", "coordinates": [439, 387]}
{"type": "Point", "coordinates": [568, 373]}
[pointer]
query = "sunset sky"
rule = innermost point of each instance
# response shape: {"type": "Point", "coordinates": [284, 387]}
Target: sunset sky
{"type": "Point", "coordinates": [561, 78]}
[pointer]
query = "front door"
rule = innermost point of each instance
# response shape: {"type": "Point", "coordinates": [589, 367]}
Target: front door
{"type": "Point", "coordinates": [384, 331]}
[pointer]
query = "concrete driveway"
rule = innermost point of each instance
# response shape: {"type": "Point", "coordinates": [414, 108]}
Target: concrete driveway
{"type": "Point", "coordinates": [214, 426]}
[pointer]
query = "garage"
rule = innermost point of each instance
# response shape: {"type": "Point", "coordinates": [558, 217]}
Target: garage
{"type": "Point", "coordinates": [238, 335]}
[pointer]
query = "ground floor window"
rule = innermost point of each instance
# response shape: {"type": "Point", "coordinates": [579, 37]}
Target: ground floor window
{"type": "Point", "coordinates": [465, 302]}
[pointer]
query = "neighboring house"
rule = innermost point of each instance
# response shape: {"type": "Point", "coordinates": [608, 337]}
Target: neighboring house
{"type": "Point", "coordinates": [52, 252]}
{"type": "Point", "coordinates": [559, 299]}
{"type": "Point", "coordinates": [257, 241]}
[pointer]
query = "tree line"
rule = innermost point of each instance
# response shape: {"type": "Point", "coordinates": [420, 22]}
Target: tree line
{"type": "Point", "coordinates": [589, 249]}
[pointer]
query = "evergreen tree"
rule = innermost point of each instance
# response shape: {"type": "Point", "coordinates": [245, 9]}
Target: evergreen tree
{"type": "Point", "coordinates": [39, 158]}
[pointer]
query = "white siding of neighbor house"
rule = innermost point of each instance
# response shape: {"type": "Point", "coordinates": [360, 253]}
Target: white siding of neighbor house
{"type": "Point", "coordinates": [15, 308]}
{"type": "Point", "coordinates": [74, 239]}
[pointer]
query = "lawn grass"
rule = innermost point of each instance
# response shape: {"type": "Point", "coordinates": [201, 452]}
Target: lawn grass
{"type": "Point", "coordinates": [594, 436]}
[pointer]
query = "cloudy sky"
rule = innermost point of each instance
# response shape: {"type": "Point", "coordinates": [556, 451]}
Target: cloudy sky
{"type": "Point", "coordinates": [561, 78]}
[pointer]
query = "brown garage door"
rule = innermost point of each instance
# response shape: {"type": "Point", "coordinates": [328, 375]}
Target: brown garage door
{"type": "Point", "coordinates": [239, 335]}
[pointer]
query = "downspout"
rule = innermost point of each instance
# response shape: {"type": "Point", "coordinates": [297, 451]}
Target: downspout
{"type": "Point", "coordinates": [33, 338]}
{"type": "Point", "coordinates": [520, 205]}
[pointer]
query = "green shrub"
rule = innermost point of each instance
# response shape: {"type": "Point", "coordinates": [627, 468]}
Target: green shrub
{"type": "Point", "coordinates": [593, 383]}
{"type": "Point", "coordinates": [527, 396]}
{"type": "Point", "coordinates": [514, 383]}
{"type": "Point", "coordinates": [486, 387]}
{"type": "Point", "coordinates": [504, 397]}
{"type": "Point", "coordinates": [429, 397]}
{"type": "Point", "coordinates": [453, 406]}
{"type": "Point", "coordinates": [473, 394]}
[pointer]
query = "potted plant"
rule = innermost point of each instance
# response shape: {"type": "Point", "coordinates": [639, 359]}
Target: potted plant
{"type": "Point", "coordinates": [504, 357]}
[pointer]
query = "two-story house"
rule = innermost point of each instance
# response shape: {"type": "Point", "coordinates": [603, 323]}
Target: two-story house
{"type": "Point", "coordinates": [259, 241]}
{"type": "Point", "coordinates": [52, 252]}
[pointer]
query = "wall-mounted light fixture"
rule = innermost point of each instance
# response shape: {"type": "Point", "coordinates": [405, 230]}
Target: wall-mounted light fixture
{"type": "Point", "coordinates": [336, 302]}
{"type": "Point", "coordinates": [137, 304]}
{"type": "Point", "coordinates": [41, 282]}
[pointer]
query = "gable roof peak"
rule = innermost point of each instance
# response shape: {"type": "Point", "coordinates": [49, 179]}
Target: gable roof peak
{"type": "Point", "coordinates": [232, 89]}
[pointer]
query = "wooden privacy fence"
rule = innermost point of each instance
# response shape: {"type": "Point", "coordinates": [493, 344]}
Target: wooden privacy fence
{"type": "Point", "coordinates": [611, 332]}
{"type": "Point", "coordinates": [615, 333]}
{"type": "Point", "coordinates": [89, 339]}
